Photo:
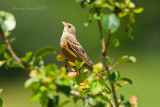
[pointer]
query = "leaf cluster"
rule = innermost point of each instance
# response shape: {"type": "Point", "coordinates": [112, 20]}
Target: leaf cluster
{"type": "Point", "coordinates": [48, 81]}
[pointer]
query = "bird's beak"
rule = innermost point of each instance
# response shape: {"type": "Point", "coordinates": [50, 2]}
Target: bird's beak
{"type": "Point", "coordinates": [64, 23]}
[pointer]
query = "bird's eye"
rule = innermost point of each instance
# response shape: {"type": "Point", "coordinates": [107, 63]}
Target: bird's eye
{"type": "Point", "coordinates": [69, 26]}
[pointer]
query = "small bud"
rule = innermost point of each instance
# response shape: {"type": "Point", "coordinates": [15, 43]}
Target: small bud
{"type": "Point", "coordinates": [133, 99]}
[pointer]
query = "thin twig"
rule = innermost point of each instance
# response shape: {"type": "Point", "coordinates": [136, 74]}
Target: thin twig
{"type": "Point", "coordinates": [103, 55]}
{"type": "Point", "coordinates": [9, 47]}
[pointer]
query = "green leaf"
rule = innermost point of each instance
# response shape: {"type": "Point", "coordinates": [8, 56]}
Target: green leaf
{"type": "Point", "coordinates": [115, 42]}
{"type": "Point", "coordinates": [126, 58]}
{"type": "Point", "coordinates": [114, 77]}
{"type": "Point", "coordinates": [128, 2]}
{"type": "Point", "coordinates": [1, 91]}
{"type": "Point", "coordinates": [99, 104]}
{"type": "Point", "coordinates": [81, 78]}
{"type": "Point", "coordinates": [7, 21]}
{"type": "Point", "coordinates": [31, 81]}
{"type": "Point", "coordinates": [95, 87]}
{"type": "Point", "coordinates": [27, 57]}
{"type": "Point", "coordinates": [131, 17]}
{"type": "Point", "coordinates": [63, 103]}
{"type": "Point", "coordinates": [2, 62]}
{"type": "Point", "coordinates": [77, 64]}
{"type": "Point", "coordinates": [43, 52]}
{"type": "Point", "coordinates": [53, 102]}
{"type": "Point", "coordinates": [126, 79]}
{"type": "Point", "coordinates": [123, 13]}
{"type": "Point", "coordinates": [44, 100]}
{"type": "Point", "coordinates": [64, 89]}
{"type": "Point", "coordinates": [35, 97]}
{"type": "Point", "coordinates": [1, 103]}
{"type": "Point", "coordinates": [100, 3]}
{"type": "Point", "coordinates": [110, 22]}
{"type": "Point", "coordinates": [129, 30]}
{"type": "Point", "coordinates": [81, 64]}
{"type": "Point", "coordinates": [2, 48]}
{"type": "Point", "coordinates": [6, 55]}
{"type": "Point", "coordinates": [15, 64]}
{"type": "Point", "coordinates": [51, 69]}
{"type": "Point", "coordinates": [138, 10]}
{"type": "Point", "coordinates": [122, 98]}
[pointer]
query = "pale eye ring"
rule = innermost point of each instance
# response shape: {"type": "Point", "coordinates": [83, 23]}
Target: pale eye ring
{"type": "Point", "coordinates": [69, 26]}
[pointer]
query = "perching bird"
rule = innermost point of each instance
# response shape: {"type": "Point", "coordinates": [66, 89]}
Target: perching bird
{"type": "Point", "coordinates": [71, 48]}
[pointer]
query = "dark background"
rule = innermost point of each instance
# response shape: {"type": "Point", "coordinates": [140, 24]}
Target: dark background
{"type": "Point", "coordinates": [39, 28]}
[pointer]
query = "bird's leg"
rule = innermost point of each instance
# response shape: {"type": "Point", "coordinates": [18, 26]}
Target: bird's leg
{"type": "Point", "coordinates": [66, 66]}
{"type": "Point", "coordinates": [79, 71]}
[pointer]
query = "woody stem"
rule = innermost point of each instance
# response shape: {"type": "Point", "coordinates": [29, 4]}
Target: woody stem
{"type": "Point", "coordinates": [104, 51]}
{"type": "Point", "coordinates": [9, 47]}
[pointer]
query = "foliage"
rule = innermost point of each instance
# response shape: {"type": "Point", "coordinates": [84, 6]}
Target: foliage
{"type": "Point", "coordinates": [1, 102]}
{"type": "Point", "coordinates": [48, 82]}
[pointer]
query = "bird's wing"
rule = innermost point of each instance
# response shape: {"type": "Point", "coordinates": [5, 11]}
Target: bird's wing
{"type": "Point", "coordinates": [78, 50]}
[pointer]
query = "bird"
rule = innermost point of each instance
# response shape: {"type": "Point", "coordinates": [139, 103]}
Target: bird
{"type": "Point", "coordinates": [71, 48]}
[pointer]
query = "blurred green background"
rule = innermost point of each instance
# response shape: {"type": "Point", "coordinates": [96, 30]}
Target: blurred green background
{"type": "Point", "coordinates": [39, 25]}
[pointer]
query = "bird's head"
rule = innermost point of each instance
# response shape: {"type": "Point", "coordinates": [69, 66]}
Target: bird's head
{"type": "Point", "coordinates": [69, 28]}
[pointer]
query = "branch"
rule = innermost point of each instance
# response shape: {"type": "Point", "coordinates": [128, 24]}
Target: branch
{"type": "Point", "coordinates": [103, 55]}
{"type": "Point", "coordinates": [9, 47]}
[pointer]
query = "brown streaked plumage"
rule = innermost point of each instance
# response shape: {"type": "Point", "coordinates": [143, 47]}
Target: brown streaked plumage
{"type": "Point", "coordinates": [71, 48]}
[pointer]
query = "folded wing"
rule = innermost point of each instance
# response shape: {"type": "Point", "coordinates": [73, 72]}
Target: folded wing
{"type": "Point", "coordinates": [78, 50]}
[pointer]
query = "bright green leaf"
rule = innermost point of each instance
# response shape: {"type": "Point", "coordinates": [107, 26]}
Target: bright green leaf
{"type": "Point", "coordinates": [51, 69]}
{"type": "Point", "coordinates": [81, 78]}
{"type": "Point", "coordinates": [1, 91]}
{"type": "Point", "coordinates": [110, 22]}
{"type": "Point", "coordinates": [115, 42]}
{"type": "Point", "coordinates": [15, 64]}
{"type": "Point", "coordinates": [2, 62]}
{"type": "Point", "coordinates": [31, 81]}
{"type": "Point", "coordinates": [43, 52]}
{"type": "Point", "coordinates": [138, 10]}
{"type": "Point", "coordinates": [95, 87]}
{"type": "Point", "coordinates": [77, 64]}
{"type": "Point", "coordinates": [123, 13]}
{"type": "Point", "coordinates": [6, 55]}
{"type": "Point", "coordinates": [27, 57]}
{"type": "Point", "coordinates": [82, 63]}
{"type": "Point", "coordinates": [126, 59]}
{"type": "Point", "coordinates": [35, 97]}
{"type": "Point", "coordinates": [127, 2]}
